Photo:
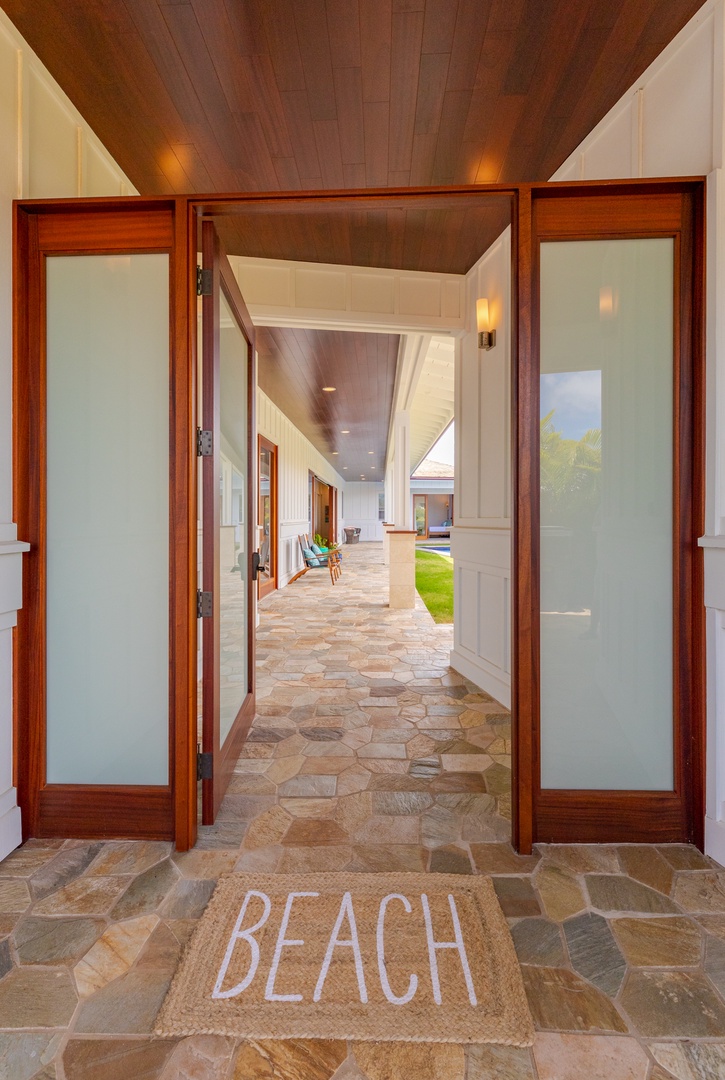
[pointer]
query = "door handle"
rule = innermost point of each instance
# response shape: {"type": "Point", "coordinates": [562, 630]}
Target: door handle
{"type": "Point", "coordinates": [256, 563]}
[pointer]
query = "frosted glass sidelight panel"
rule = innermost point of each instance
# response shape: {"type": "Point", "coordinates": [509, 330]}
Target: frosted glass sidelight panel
{"type": "Point", "coordinates": [233, 586]}
{"type": "Point", "coordinates": [108, 519]}
{"type": "Point", "coordinates": [606, 514]}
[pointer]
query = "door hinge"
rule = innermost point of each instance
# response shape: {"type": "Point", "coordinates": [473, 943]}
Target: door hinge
{"type": "Point", "coordinates": [204, 442]}
{"type": "Point", "coordinates": [204, 604]}
{"type": "Point", "coordinates": [203, 282]}
{"type": "Point", "coordinates": [204, 766]}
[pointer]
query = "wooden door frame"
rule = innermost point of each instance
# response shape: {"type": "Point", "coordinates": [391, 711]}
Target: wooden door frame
{"type": "Point", "coordinates": [98, 227]}
{"type": "Point", "coordinates": [187, 210]}
{"type": "Point", "coordinates": [264, 443]}
{"type": "Point", "coordinates": [224, 756]}
{"type": "Point", "coordinates": [627, 816]}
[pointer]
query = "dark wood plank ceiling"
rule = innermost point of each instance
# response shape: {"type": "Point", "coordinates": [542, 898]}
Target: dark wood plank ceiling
{"type": "Point", "coordinates": [254, 95]}
{"type": "Point", "coordinates": [193, 96]}
{"type": "Point", "coordinates": [293, 367]}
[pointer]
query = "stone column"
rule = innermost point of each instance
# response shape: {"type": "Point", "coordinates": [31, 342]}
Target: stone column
{"type": "Point", "coordinates": [402, 568]}
{"type": "Point", "coordinates": [401, 471]}
{"type": "Point", "coordinates": [387, 527]}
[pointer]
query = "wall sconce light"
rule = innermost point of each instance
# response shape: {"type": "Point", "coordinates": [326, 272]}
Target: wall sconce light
{"type": "Point", "coordinates": [486, 336]}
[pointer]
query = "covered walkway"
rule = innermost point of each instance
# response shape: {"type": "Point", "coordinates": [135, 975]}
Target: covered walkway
{"type": "Point", "coordinates": [367, 753]}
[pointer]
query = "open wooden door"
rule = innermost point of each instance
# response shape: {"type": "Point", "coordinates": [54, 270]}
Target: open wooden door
{"type": "Point", "coordinates": [228, 447]}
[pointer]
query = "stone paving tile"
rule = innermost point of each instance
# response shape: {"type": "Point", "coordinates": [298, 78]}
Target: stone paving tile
{"type": "Point", "coordinates": [538, 942]}
{"type": "Point", "coordinates": [40, 940]}
{"type": "Point", "coordinates": [673, 1003]}
{"type": "Point", "coordinates": [353, 701]}
{"type": "Point", "coordinates": [594, 953]}
{"type": "Point", "coordinates": [114, 1059]}
{"type": "Point", "coordinates": [33, 997]}
{"type": "Point", "coordinates": [659, 942]}
{"type": "Point", "coordinates": [596, 1057]}
{"type": "Point", "coordinates": [23, 1056]}
{"type": "Point", "coordinates": [516, 897]}
{"type": "Point", "coordinates": [291, 1059]}
{"type": "Point", "coordinates": [201, 1057]}
{"type": "Point", "coordinates": [146, 892]}
{"type": "Point", "coordinates": [610, 893]}
{"type": "Point", "coordinates": [703, 893]}
{"type": "Point", "coordinates": [501, 1062]}
{"type": "Point", "coordinates": [645, 864]}
{"type": "Point", "coordinates": [402, 1061]}
{"type": "Point", "coordinates": [560, 892]}
{"type": "Point", "coordinates": [560, 1000]}
{"type": "Point", "coordinates": [689, 1060]}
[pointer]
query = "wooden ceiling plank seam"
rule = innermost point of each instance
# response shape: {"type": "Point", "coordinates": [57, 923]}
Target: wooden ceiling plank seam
{"type": "Point", "coordinates": [314, 45]}
{"type": "Point", "coordinates": [561, 48]}
{"type": "Point", "coordinates": [299, 122]}
{"type": "Point", "coordinates": [265, 92]}
{"type": "Point", "coordinates": [530, 41]}
{"type": "Point", "coordinates": [200, 67]}
{"type": "Point", "coordinates": [468, 38]}
{"type": "Point", "coordinates": [376, 120]}
{"type": "Point", "coordinates": [283, 46]}
{"type": "Point", "coordinates": [327, 139]}
{"type": "Point", "coordinates": [405, 63]}
{"type": "Point", "coordinates": [431, 90]}
{"type": "Point", "coordinates": [288, 179]}
{"type": "Point", "coordinates": [376, 18]}
{"type": "Point", "coordinates": [349, 104]}
{"type": "Point", "coordinates": [439, 27]}
{"type": "Point", "coordinates": [506, 16]}
{"type": "Point", "coordinates": [450, 134]}
{"type": "Point", "coordinates": [343, 26]}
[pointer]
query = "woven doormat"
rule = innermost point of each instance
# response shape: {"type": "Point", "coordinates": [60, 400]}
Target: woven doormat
{"type": "Point", "coordinates": [418, 957]}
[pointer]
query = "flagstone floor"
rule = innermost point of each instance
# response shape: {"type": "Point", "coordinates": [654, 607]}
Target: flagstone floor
{"type": "Point", "coordinates": [368, 753]}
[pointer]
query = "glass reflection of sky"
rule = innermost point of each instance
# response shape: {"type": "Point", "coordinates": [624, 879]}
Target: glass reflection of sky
{"type": "Point", "coordinates": [576, 397]}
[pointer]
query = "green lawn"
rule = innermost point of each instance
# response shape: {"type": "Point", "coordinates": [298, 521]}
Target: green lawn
{"type": "Point", "coordinates": [434, 582]}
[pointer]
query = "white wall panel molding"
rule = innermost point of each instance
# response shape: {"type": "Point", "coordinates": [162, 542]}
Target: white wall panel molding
{"type": "Point", "coordinates": [482, 398]}
{"type": "Point", "coordinates": [328, 296]}
{"type": "Point", "coordinates": [361, 509]}
{"type": "Point", "coordinates": [482, 605]}
{"type": "Point", "coordinates": [670, 122]}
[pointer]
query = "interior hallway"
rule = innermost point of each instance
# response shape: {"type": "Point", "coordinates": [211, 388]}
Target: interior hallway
{"type": "Point", "coordinates": [368, 753]}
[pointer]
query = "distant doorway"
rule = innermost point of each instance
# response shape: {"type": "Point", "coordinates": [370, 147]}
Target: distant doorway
{"type": "Point", "coordinates": [323, 511]}
{"type": "Point", "coordinates": [433, 515]}
{"type": "Point", "coordinates": [267, 517]}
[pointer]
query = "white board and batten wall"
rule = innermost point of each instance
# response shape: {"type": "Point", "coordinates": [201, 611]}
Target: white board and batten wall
{"type": "Point", "coordinates": [362, 508]}
{"type": "Point", "coordinates": [481, 536]}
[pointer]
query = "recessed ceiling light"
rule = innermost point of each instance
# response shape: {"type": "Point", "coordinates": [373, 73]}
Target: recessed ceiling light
{"type": "Point", "coordinates": [344, 466]}
{"type": "Point", "coordinates": [372, 466]}
{"type": "Point", "coordinates": [371, 451]}
{"type": "Point", "coordinates": [329, 389]}
{"type": "Point", "coordinates": [345, 431]}
{"type": "Point", "coordinates": [335, 452]}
